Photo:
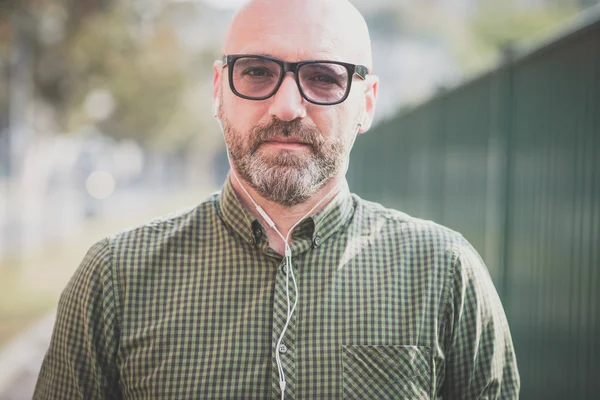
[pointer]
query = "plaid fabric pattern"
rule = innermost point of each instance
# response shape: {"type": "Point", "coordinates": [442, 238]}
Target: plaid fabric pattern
{"type": "Point", "coordinates": [191, 307]}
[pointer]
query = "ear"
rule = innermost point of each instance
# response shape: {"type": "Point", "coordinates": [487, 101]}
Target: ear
{"type": "Point", "coordinates": [371, 87]}
{"type": "Point", "coordinates": [217, 78]}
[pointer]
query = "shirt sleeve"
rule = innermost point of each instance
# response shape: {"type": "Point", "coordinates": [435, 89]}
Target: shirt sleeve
{"type": "Point", "coordinates": [81, 360]}
{"type": "Point", "coordinates": [481, 362]}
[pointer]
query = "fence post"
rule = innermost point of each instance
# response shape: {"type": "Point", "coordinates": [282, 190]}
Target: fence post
{"type": "Point", "coordinates": [506, 131]}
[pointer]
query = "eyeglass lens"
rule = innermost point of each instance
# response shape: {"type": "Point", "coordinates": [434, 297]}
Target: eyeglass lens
{"type": "Point", "coordinates": [321, 82]}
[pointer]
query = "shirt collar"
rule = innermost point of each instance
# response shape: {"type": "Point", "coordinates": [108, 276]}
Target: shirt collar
{"type": "Point", "coordinates": [311, 232]}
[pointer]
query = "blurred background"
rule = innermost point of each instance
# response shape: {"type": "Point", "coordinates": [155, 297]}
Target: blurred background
{"type": "Point", "coordinates": [487, 121]}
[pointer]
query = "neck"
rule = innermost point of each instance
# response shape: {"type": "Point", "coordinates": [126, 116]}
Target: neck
{"type": "Point", "coordinates": [285, 217]}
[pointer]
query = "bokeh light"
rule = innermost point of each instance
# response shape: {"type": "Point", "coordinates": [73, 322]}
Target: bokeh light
{"type": "Point", "coordinates": [100, 185]}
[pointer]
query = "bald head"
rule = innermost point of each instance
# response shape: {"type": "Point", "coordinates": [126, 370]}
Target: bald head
{"type": "Point", "coordinates": [297, 30]}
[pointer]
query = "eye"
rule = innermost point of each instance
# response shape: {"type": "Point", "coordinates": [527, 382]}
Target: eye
{"type": "Point", "coordinates": [324, 76]}
{"type": "Point", "coordinates": [325, 79]}
{"type": "Point", "coordinates": [257, 72]}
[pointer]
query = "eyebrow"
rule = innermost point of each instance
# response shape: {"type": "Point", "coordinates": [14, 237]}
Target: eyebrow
{"type": "Point", "coordinates": [248, 60]}
{"type": "Point", "coordinates": [329, 67]}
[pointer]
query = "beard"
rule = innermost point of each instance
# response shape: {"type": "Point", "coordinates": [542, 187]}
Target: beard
{"type": "Point", "coordinates": [285, 177]}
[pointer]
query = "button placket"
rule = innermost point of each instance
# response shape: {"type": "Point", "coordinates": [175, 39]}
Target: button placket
{"type": "Point", "coordinates": [287, 345]}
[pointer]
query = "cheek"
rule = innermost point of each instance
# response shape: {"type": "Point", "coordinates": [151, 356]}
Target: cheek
{"type": "Point", "coordinates": [337, 124]}
{"type": "Point", "coordinates": [245, 115]}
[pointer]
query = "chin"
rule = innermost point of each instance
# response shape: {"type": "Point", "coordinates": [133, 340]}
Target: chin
{"type": "Point", "coordinates": [286, 159]}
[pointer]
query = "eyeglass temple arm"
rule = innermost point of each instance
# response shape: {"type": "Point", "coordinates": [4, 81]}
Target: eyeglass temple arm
{"type": "Point", "coordinates": [361, 71]}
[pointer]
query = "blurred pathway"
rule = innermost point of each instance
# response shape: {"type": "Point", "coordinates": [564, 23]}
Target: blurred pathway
{"type": "Point", "coordinates": [20, 360]}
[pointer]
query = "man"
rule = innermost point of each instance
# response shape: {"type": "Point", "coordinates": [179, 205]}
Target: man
{"type": "Point", "coordinates": [284, 285]}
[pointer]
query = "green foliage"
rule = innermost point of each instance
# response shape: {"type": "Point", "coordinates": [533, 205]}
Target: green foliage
{"type": "Point", "coordinates": [141, 73]}
{"type": "Point", "coordinates": [110, 46]}
{"type": "Point", "coordinates": [497, 25]}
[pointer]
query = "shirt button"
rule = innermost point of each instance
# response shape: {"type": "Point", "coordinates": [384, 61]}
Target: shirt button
{"type": "Point", "coordinates": [317, 241]}
{"type": "Point", "coordinates": [284, 268]}
{"type": "Point", "coordinates": [282, 348]}
{"type": "Point", "coordinates": [257, 233]}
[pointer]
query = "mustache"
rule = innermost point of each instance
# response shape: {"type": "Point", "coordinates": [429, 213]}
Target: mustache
{"type": "Point", "coordinates": [295, 129]}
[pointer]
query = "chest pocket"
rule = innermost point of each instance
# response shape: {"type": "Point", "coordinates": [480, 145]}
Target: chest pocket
{"type": "Point", "coordinates": [386, 372]}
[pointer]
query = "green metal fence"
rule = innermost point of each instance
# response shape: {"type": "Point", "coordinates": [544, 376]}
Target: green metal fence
{"type": "Point", "coordinates": [512, 161]}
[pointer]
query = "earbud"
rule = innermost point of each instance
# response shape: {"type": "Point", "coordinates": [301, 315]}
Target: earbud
{"type": "Point", "coordinates": [215, 108]}
{"type": "Point", "coordinates": [363, 117]}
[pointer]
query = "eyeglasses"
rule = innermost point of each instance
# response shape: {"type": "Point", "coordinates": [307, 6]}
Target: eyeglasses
{"type": "Point", "coordinates": [256, 77]}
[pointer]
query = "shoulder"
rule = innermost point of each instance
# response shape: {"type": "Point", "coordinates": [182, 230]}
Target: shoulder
{"type": "Point", "coordinates": [148, 249]}
{"type": "Point", "coordinates": [113, 261]}
{"type": "Point", "coordinates": [428, 246]}
{"type": "Point", "coordinates": [404, 228]}
{"type": "Point", "coordinates": [190, 223]}
{"type": "Point", "coordinates": [143, 245]}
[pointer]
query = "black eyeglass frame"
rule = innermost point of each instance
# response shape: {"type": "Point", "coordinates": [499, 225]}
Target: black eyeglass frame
{"type": "Point", "coordinates": [352, 69]}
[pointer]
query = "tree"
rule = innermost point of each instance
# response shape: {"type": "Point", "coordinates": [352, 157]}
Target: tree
{"type": "Point", "coordinates": [496, 25]}
{"type": "Point", "coordinates": [82, 47]}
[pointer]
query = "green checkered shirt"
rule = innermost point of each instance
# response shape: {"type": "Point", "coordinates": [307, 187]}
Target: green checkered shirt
{"type": "Point", "coordinates": [191, 307]}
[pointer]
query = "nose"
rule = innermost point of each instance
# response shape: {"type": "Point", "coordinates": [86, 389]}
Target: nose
{"type": "Point", "coordinates": [288, 104]}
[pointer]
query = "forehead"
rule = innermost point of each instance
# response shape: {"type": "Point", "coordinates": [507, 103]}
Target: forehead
{"type": "Point", "coordinates": [293, 33]}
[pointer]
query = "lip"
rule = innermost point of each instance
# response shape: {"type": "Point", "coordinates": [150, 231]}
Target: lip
{"type": "Point", "coordinates": [286, 143]}
{"type": "Point", "coordinates": [285, 140]}
{"type": "Point", "coordinates": [291, 146]}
